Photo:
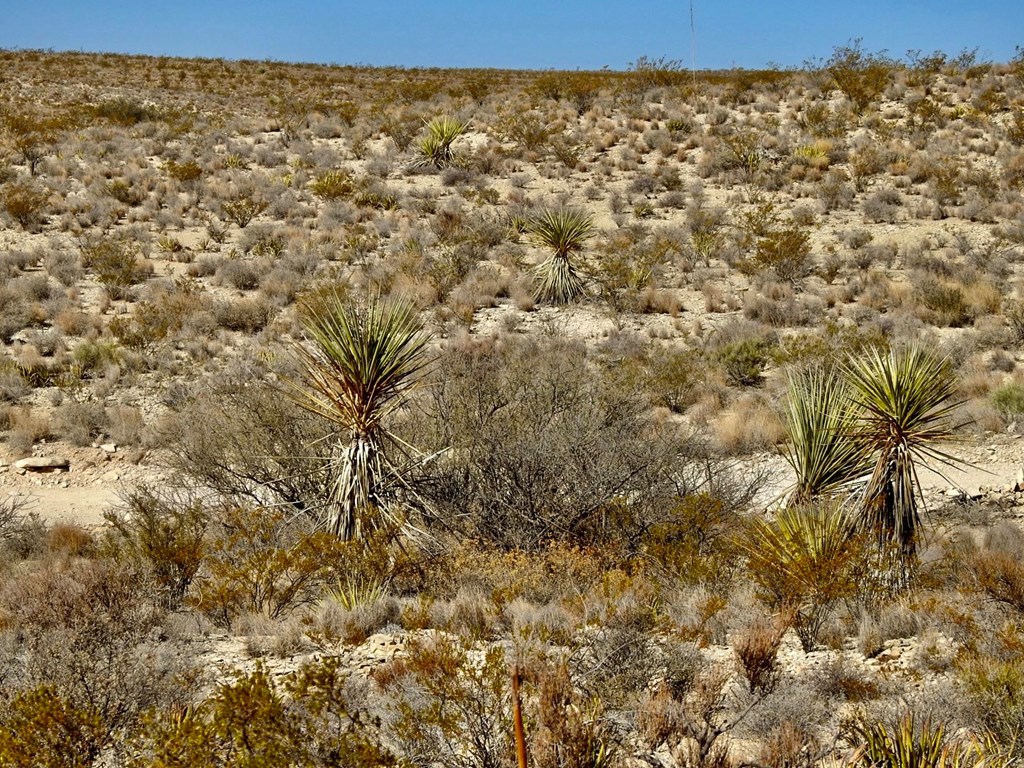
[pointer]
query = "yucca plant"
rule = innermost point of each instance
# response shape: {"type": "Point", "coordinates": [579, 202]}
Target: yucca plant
{"type": "Point", "coordinates": [905, 401]}
{"type": "Point", "coordinates": [564, 231]}
{"type": "Point", "coordinates": [804, 562]}
{"type": "Point", "coordinates": [908, 743]}
{"type": "Point", "coordinates": [436, 147]}
{"type": "Point", "coordinates": [359, 366]}
{"type": "Point", "coordinates": [824, 449]}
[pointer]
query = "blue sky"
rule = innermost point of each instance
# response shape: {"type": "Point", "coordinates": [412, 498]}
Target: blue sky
{"type": "Point", "coordinates": [527, 34]}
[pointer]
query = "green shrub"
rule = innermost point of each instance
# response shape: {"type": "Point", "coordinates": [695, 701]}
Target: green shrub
{"type": "Point", "coordinates": [305, 720]}
{"type": "Point", "coordinates": [696, 543]}
{"type": "Point", "coordinates": [805, 562]}
{"type": "Point", "coordinates": [861, 76]}
{"type": "Point", "coordinates": [785, 253]}
{"type": "Point", "coordinates": [243, 208]}
{"type": "Point", "coordinates": [186, 172]}
{"type": "Point", "coordinates": [25, 202]}
{"type": "Point", "coordinates": [125, 112]}
{"type": "Point", "coordinates": [1009, 400]}
{"type": "Point", "coordinates": [744, 361]}
{"type": "Point", "coordinates": [261, 560]}
{"type": "Point", "coordinates": [995, 690]}
{"type": "Point", "coordinates": [41, 729]}
{"type": "Point", "coordinates": [116, 264]}
{"type": "Point", "coordinates": [333, 185]}
{"type": "Point", "coordinates": [947, 301]}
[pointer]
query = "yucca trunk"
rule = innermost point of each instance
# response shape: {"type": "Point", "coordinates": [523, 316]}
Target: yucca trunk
{"type": "Point", "coordinates": [358, 469]}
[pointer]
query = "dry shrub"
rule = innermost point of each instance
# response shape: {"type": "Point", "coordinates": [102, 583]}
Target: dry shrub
{"type": "Point", "coordinates": [80, 423]}
{"type": "Point", "coordinates": [695, 544]}
{"type": "Point", "coordinates": [244, 315]}
{"type": "Point", "coordinates": [162, 533]}
{"type": "Point", "coordinates": [788, 746]}
{"type": "Point", "coordinates": [690, 723]}
{"type": "Point", "coordinates": [69, 540]}
{"type": "Point", "coordinates": [125, 424]}
{"type": "Point", "coordinates": [450, 705]}
{"type": "Point", "coordinates": [540, 449]}
{"type": "Point", "coordinates": [748, 426]}
{"type": "Point", "coordinates": [84, 629]}
{"type": "Point", "coordinates": [26, 429]}
{"type": "Point", "coordinates": [263, 561]}
{"type": "Point", "coordinates": [336, 620]}
{"type": "Point", "coordinates": [311, 717]}
{"type": "Point", "coordinates": [568, 730]}
{"type": "Point", "coordinates": [840, 679]}
{"type": "Point", "coordinates": [998, 567]}
{"type": "Point", "coordinates": [41, 729]}
{"type": "Point", "coordinates": [622, 658]}
{"type": "Point", "coordinates": [757, 647]}
{"type": "Point", "coordinates": [553, 623]}
{"type": "Point", "coordinates": [470, 614]}
{"type": "Point", "coordinates": [549, 574]}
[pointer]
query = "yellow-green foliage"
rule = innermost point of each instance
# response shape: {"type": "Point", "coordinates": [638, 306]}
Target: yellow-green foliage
{"type": "Point", "coordinates": [256, 721]}
{"type": "Point", "coordinates": [41, 729]}
{"type": "Point", "coordinates": [25, 202]}
{"type": "Point", "coordinates": [806, 561]}
{"type": "Point", "coordinates": [260, 561]}
{"type": "Point", "coordinates": [333, 185]}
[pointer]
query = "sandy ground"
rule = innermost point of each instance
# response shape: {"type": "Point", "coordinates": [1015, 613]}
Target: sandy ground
{"type": "Point", "coordinates": [81, 495]}
{"type": "Point", "coordinates": [95, 480]}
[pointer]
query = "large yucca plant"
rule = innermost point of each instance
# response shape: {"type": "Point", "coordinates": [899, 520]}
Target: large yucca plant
{"type": "Point", "coordinates": [824, 449]}
{"type": "Point", "coordinates": [905, 400]}
{"type": "Point", "coordinates": [435, 148]}
{"type": "Point", "coordinates": [563, 231]}
{"type": "Point", "coordinates": [359, 365]}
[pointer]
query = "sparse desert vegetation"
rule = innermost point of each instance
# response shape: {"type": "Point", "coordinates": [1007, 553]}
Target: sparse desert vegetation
{"type": "Point", "coordinates": [335, 399]}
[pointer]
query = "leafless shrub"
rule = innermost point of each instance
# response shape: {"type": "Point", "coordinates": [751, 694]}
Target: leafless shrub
{"type": "Point", "coordinates": [757, 647]}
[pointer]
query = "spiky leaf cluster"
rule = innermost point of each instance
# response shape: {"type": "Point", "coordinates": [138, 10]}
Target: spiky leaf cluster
{"type": "Point", "coordinates": [435, 149]}
{"type": "Point", "coordinates": [563, 231]}
{"type": "Point", "coordinates": [358, 366]}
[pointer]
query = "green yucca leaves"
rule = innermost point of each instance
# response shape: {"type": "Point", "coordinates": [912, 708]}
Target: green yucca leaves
{"type": "Point", "coordinates": [358, 366]}
{"type": "Point", "coordinates": [436, 147]}
{"type": "Point", "coordinates": [904, 401]}
{"type": "Point", "coordinates": [563, 231]}
{"type": "Point", "coordinates": [909, 743]}
{"type": "Point", "coordinates": [804, 561]}
{"type": "Point", "coordinates": [877, 419]}
{"type": "Point", "coordinates": [824, 449]}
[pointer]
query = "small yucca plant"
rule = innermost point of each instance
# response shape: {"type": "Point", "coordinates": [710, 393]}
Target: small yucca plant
{"type": "Point", "coordinates": [824, 449]}
{"type": "Point", "coordinates": [804, 562]}
{"type": "Point", "coordinates": [435, 148]}
{"type": "Point", "coordinates": [564, 231]}
{"type": "Point", "coordinates": [359, 366]}
{"type": "Point", "coordinates": [908, 743]}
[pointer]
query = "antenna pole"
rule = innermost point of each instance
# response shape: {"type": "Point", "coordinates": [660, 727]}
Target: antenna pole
{"type": "Point", "coordinates": [693, 48]}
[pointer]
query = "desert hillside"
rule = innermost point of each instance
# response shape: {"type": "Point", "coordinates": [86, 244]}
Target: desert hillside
{"type": "Point", "coordinates": [329, 396]}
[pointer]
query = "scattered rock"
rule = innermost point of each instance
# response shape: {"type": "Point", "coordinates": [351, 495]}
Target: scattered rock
{"type": "Point", "coordinates": [109, 447]}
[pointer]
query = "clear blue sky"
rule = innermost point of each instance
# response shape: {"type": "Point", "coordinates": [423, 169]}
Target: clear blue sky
{"type": "Point", "coordinates": [527, 34]}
